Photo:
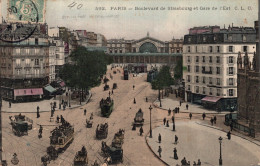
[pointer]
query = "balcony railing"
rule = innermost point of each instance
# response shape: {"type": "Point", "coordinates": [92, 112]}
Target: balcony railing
{"type": "Point", "coordinates": [206, 72]}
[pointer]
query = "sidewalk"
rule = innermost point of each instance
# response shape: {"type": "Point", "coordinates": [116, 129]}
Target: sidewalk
{"type": "Point", "coordinates": [200, 142]}
{"type": "Point", "coordinates": [193, 108]}
{"type": "Point", "coordinates": [30, 107]}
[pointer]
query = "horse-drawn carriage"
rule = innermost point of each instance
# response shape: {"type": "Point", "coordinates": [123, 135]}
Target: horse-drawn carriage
{"type": "Point", "coordinates": [89, 123]}
{"type": "Point", "coordinates": [60, 139]}
{"type": "Point", "coordinates": [139, 120]}
{"type": "Point", "coordinates": [20, 126]}
{"type": "Point", "coordinates": [102, 131]}
{"type": "Point", "coordinates": [81, 157]}
{"type": "Point", "coordinates": [114, 85]}
{"type": "Point", "coordinates": [118, 140]}
{"type": "Point", "coordinates": [114, 154]}
{"type": "Point", "coordinates": [106, 106]}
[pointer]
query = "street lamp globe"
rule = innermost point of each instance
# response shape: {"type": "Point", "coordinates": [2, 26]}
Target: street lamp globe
{"type": "Point", "coordinates": [220, 139]}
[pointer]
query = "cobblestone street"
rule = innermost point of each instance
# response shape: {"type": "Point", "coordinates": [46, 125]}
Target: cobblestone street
{"type": "Point", "coordinates": [195, 141]}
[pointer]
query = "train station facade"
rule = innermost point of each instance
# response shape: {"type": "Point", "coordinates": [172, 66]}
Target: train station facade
{"type": "Point", "coordinates": [145, 50]}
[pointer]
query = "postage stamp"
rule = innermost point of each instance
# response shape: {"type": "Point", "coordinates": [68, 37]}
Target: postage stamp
{"type": "Point", "coordinates": [32, 11]}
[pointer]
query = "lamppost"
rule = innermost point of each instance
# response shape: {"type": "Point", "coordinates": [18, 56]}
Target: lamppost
{"type": "Point", "coordinates": [69, 98]}
{"type": "Point", "coordinates": [150, 108]}
{"type": "Point", "coordinates": [220, 156]}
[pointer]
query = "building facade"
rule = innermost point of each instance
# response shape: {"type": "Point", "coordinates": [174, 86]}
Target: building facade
{"type": "Point", "coordinates": [249, 88]}
{"type": "Point", "coordinates": [210, 57]}
{"type": "Point", "coordinates": [25, 63]}
{"type": "Point", "coordinates": [145, 50]}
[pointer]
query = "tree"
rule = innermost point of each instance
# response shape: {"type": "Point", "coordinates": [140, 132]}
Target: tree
{"type": "Point", "coordinates": [162, 80]}
{"type": "Point", "coordinates": [178, 70]}
{"type": "Point", "coordinates": [85, 69]}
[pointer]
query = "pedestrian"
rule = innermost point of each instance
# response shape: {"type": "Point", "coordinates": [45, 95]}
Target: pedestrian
{"type": "Point", "coordinates": [215, 119]}
{"type": "Point", "coordinates": [169, 112]}
{"type": "Point", "coordinates": [231, 126]}
{"type": "Point", "coordinates": [194, 163]}
{"type": "Point", "coordinates": [38, 108]}
{"type": "Point", "coordinates": [203, 115]}
{"type": "Point", "coordinates": [146, 99]}
{"type": "Point", "coordinates": [229, 135]}
{"type": "Point", "coordinates": [58, 119]}
{"type": "Point", "coordinates": [141, 131]}
{"type": "Point", "coordinates": [188, 163]}
{"type": "Point", "coordinates": [133, 87]}
{"type": "Point", "coordinates": [85, 111]}
{"type": "Point", "coordinates": [187, 106]}
{"type": "Point", "coordinates": [64, 106]}
{"type": "Point", "coordinates": [109, 93]}
{"type": "Point", "coordinates": [40, 130]}
{"type": "Point", "coordinates": [180, 102]}
{"type": "Point", "coordinates": [159, 138]}
{"type": "Point", "coordinates": [211, 121]}
{"type": "Point", "coordinates": [112, 91]}
{"type": "Point", "coordinates": [164, 121]}
{"type": "Point", "coordinates": [167, 123]}
{"type": "Point", "coordinates": [10, 104]}
{"type": "Point", "coordinates": [38, 113]}
{"type": "Point", "coordinates": [160, 151]}
{"type": "Point", "coordinates": [175, 110]}
{"type": "Point", "coordinates": [134, 101]}
{"type": "Point", "coordinates": [134, 128]}
{"type": "Point", "coordinates": [199, 163]}
{"type": "Point", "coordinates": [190, 115]}
{"type": "Point", "coordinates": [173, 127]}
{"type": "Point", "coordinates": [176, 139]}
{"type": "Point", "coordinates": [183, 161]}
{"type": "Point", "coordinates": [175, 154]}
{"type": "Point", "coordinates": [178, 110]}
{"type": "Point", "coordinates": [61, 119]}
{"type": "Point", "coordinates": [172, 119]}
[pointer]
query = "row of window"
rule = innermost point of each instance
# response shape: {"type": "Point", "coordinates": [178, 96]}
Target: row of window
{"type": "Point", "coordinates": [213, 49]}
{"type": "Point", "coordinates": [28, 71]}
{"type": "Point", "coordinates": [229, 37]}
{"type": "Point", "coordinates": [210, 91]}
{"type": "Point", "coordinates": [210, 80]}
{"type": "Point", "coordinates": [209, 59]}
{"type": "Point", "coordinates": [209, 70]}
{"type": "Point", "coordinates": [28, 61]}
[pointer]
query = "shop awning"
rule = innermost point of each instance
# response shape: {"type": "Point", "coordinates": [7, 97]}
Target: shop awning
{"type": "Point", "coordinates": [211, 99]}
{"type": "Point", "coordinates": [28, 92]}
{"type": "Point", "coordinates": [49, 89]}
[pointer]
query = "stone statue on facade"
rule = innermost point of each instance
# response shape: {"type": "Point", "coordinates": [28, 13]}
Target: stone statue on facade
{"type": "Point", "coordinates": [246, 61]}
{"type": "Point", "coordinates": [254, 61]}
{"type": "Point", "coordinates": [239, 60]}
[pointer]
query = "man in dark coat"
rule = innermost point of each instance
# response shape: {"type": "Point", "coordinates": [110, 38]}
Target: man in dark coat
{"type": "Point", "coordinates": [58, 119]}
{"type": "Point", "coordinates": [169, 112]}
{"type": "Point", "coordinates": [167, 123]}
{"type": "Point", "coordinates": [85, 111]}
{"type": "Point", "coordinates": [229, 135]}
{"type": "Point", "coordinates": [231, 126]}
{"type": "Point", "coordinates": [190, 115]}
{"type": "Point", "coordinates": [203, 115]}
{"type": "Point", "coordinates": [183, 161]}
{"type": "Point", "coordinates": [160, 151]}
{"type": "Point", "coordinates": [211, 121]}
{"type": "Point", "coordinates": [141, 131]}
{"type": "Point", "coordinates": [176, 139]}
{"type": "Point", "coordinates": [215, 119]}
{"type": "Point", "coordinates": [187, 106]}
{"type": "Point", "coordinates": [175, 154]}
{"type": "Point", "coordinates": [164, 121]}
{"type": "Point", "coordinates": [159, 138]}
{"type": "Point", "coordinates": [180, 102]}
{"type": "Point", "coordinates": [173, 120]}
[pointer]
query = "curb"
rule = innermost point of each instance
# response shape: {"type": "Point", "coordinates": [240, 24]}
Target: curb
{"type": "Point", "coordinates": [155, 105]}
{"type": "Point", "coordinates": [146, 136]}
{"type": "Point", "coordinates": [55, 110]}
{"type": "Point", "coordinates": [225, 132]}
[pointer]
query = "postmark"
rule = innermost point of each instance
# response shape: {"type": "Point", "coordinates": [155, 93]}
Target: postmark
{"type": "Point", "coordinates": [19, 13]}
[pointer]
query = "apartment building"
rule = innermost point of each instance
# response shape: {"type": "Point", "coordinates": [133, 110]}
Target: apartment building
{"type": "Point", "coordinates": [210, 59]}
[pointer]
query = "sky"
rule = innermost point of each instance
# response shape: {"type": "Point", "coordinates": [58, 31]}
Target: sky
{"type": "Point", "coordinates": [129, 23]}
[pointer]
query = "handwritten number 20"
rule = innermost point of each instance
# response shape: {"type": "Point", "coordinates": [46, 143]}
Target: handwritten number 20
{"type": "Point", "coordinates": [74, 4]}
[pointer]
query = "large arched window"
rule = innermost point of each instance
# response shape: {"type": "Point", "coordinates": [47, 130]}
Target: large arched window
{"type": "Point", "coordinates": [148, 47]}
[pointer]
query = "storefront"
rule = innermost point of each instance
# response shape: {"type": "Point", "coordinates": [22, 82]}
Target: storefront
{"type": "Point", "coordinates": [26, 95]}
{"type": "Point", "coordinates": [211, 102]}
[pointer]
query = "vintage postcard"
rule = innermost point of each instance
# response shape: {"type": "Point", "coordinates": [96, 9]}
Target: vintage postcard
{"type": "Point", "coordinates": [129, 82]}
